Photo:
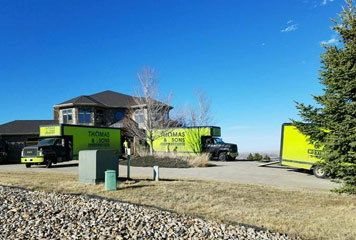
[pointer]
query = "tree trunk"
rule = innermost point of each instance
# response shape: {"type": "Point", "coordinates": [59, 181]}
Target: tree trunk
{"type": "Point", "coordinates": [151, 146]}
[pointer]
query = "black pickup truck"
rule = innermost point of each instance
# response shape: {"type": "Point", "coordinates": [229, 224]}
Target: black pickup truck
{"type": "Point", "coordinates": [47, 151]}
{"type": "Point", "coordinates": [219, 149]}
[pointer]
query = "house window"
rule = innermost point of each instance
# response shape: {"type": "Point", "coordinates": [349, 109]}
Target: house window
{"type": "Point", "coordinates": [67, 115]}
{"type": "Point", "coordinates": [84, 115]}
{"type": "Point", "coordinates": [99, 116]}
{"type": "Point", "coordinates": [139, 116]}
{"type": "Point", "coordinates": [119, 116]}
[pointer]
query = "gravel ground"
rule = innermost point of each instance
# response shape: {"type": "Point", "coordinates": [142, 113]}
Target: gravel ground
{"type": "Point", "coordinates": [39, 215]}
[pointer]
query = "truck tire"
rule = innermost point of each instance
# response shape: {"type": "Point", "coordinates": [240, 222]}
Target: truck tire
{"type": "Point", "coordinates": [223, 156]}
{"type": "Point", "coordinates": [49, 163]}
{"type": "Point", "coordinates": [28, 165]}
{"type": "Point", "coordinates": [319, 172]}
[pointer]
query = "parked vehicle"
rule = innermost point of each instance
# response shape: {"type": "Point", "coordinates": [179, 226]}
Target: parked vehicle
{"type": "Point", "coordinates": [194, 141]}
{"type": "Point", "coordinates": [3, 151]}
{"type": "Point", "coordinates": [296, 151]}
{"type": "Point", "coordinates": [63, 142]}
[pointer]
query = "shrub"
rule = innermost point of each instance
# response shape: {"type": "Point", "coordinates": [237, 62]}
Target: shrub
{"type": "Point", "coordinates": [169, 160]}
{"type": "Point", "coordinates": [201, 160]}
{"type": "Point", "coordinates": [257, 157]}
{"type": "Point", "coordinates": [250, 157]}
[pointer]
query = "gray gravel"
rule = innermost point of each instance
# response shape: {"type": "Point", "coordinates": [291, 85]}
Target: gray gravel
{"type": "Point", "coordinates": [39, 215]}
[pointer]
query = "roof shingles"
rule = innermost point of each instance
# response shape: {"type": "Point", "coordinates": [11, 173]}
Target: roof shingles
{"type": "Point", "coordinates": [24, 126]}
{"type": "Point", "coordinates": [106, 99]}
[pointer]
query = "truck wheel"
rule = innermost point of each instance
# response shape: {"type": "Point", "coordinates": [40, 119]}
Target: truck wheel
{"type": "Point", "coordinates": [319, 172]}
{"type": "Point", "coordinates": [49, 163]}
{"type": "Point", "coordinates": [223, 156]}
{"type": "Point", "coordinates": [28, 165]}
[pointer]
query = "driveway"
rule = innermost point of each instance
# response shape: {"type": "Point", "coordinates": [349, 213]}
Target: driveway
{"type": "Point", "coordinates": [236, 171]}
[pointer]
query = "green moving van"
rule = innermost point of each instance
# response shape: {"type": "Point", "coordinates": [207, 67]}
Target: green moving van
{"type": "Point", "coordinates": [194, 141]}
{"type": "Point", "coordinates": [296, 151]}
{"type": "Point", "coordinates": [63, 142]}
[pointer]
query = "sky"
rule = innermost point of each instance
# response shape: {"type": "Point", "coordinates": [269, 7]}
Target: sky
{"type": "Point", "coordinates": [252, 58]}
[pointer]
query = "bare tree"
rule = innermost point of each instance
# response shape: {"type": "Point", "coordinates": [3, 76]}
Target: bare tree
{"type": "Point", "coordinates": [195, 118]}
{"type": "Point", "coordinates": [151, 110]}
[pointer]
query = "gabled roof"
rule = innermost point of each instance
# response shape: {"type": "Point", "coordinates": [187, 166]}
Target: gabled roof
{"type": "Point", "coordinates": [83, 100]}
{"type": "Point", "coordinates": [24, 126]}
{"type": "Point", "coordinates": [115, 99]}
{"type": "Point", "coordinates": [104, 99]}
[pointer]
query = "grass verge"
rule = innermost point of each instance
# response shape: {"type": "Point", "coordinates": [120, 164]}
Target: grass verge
{"type": "Point", "coordinates": [308, 213]}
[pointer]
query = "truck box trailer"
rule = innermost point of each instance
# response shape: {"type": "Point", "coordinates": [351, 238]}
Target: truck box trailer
{"type": "Point", "coordinates": [62, 142]}
{"type": "Point", "coordinates": [296, 151]}
{"type": "Point", "coordinates": [194, 141]}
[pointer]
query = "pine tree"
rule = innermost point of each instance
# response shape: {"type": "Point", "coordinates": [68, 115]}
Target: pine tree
{"type": "Point", "coordinates": [332, 123]}
{"type": "Point", "coordinates": [250, 157]}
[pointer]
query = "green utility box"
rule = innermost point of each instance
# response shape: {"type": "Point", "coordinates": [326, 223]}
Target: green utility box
{"type": "Point", "coordinates": [94, 163]}
{"type": "Point", "coordinates": [110, 180]}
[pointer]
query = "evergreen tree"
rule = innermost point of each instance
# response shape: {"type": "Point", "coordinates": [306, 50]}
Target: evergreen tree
{"type": "Point", "coordinates": [266, 158]}
{"type": "Point", "coordinates": [257, 157]}
{"type": "Point", "coordinates": [332, 123]}
{"type": "Point", "coordinates": [250, 157]}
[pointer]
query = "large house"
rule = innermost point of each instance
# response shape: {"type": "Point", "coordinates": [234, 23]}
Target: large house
{"type": "Point", "coordinates": [103, 109]}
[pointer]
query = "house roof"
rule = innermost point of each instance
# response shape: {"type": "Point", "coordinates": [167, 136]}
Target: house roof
{"type": "Point", "coordinates": [24, 127]}
{"type": "Point", "coordinates": [109, 99]}
{"type": "Point", "coordinates": [104, 99]}
{"type": "Point", "coordinates": [82, 100]}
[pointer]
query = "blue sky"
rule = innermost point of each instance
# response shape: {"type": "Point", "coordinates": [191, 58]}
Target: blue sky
{"type": "Point", "coordinates": [253, 58]}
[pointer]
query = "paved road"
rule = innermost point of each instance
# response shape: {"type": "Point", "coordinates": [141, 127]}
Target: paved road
{"type": "Point", "coordinates": [237, 171]}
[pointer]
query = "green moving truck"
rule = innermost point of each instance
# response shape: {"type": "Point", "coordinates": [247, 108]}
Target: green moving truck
{"type": "Point", "coordinates": [194, 141]}
{"type": "Point", "coordinates": [62, 142]}
{"type": "Point", "coordinates": [296, 151]}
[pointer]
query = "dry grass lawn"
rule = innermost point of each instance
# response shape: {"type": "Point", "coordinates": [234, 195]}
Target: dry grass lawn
{"type": "Point", "coordinates": [308, 213]}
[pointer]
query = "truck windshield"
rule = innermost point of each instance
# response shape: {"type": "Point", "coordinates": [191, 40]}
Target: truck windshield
{"type": "Point", "coordinates": [218, 140]}
{"type": "Point", "coordinates": [47, 142]}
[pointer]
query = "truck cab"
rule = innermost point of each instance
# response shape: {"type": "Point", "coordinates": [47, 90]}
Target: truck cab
{"type": "Point", "coordinates": [219, 149]}
{"type": "Point", "coordinates": [47, 151]}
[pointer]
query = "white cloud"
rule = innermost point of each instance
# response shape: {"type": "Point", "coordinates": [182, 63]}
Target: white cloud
{"type": "Point", "coordinates": [289, 22]}
{"type": "Point", "coordinates": [263, 44]}
{"type": "Point", "coordinates": [330, 41]}
{"type": "Point", "coordinates": [324, 2]}
{"type": "Point", "coordinates": [290, 28]}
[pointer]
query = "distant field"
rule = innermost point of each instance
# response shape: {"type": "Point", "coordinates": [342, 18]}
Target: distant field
{"type": "Point", "coordinates": [272, 154]}
{"type": "Point", "coordinates": [308, 213]}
